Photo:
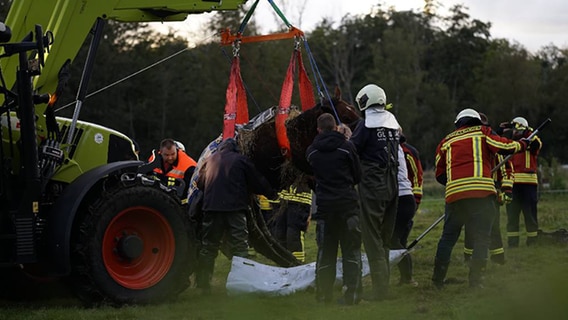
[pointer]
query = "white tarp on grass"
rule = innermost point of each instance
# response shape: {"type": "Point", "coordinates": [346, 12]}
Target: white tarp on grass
{"type": "Point", "coordinates": [249, 276]}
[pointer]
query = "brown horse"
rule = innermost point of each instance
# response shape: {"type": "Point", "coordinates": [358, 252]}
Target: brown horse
{"type": "Point", "coordinates": [258, 141]}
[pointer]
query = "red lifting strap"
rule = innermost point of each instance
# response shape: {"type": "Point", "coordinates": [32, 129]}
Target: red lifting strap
{"type": "Point", "coordinates": [306, 98]}
{"type": "Point", "coordinates": [284, 109]}
{"type": "Point", "coordinates": [305, 85]}
{"type": "Point", "coordinates": [236, 107]}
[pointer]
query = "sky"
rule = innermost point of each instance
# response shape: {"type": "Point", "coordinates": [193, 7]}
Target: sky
{"type": "Point", "coordinates": [532, 23]}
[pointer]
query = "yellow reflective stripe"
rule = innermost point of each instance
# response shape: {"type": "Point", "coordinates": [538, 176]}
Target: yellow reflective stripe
{"type": "Point", "coordinates": [176, 172]}
{"type": "Point", "coordinates": [532, 234]}
{"type": "Point", "coordinates": [510, 146]}
{"type": "Point", "coordinates": [417, 191]}
{"type": "Point", "coordinates": [448, 164]}
{"type": "Point", "coordinates": [414, 168]}
{"type": "Point", "coordinates": [302, 197]}
{"type": "Point", "coordinates": [467, 250]}
{"type": "Point", "coordinates": [520, 177]}
{"type": "Point", "coordinates": [477, 157]}
{"type": "Point", "coordinates": [184, 201]}
{"type": "Point", "coordinates": [527, 159]}
{"type": "Point", "coordinates": [513, 233]}
{"type": "Point", "coordinates": [506, 183]}
{"type": "Point", "coordinates": [470, 184]}
{"type": "Point", "coordinates": [300, 255]}
{"type": "Point", "coordinates": [463, 132]}
{"type": "Point", "coordinates": [496, 251]}
{"type": "Point", "coordinates": [468, 136]}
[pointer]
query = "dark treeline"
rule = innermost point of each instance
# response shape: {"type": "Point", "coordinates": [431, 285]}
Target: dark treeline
{"type": "Point", "coordinates": [430, 66]}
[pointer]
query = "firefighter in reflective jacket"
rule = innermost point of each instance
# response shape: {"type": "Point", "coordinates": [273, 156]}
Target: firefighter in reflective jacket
{"type": "Point", "coordinates": [292, 220]}
{"type": "Point", "coordinates": [524, 186]}
{"type": "Point", "coordinates": [464, 159]}
{"type": "Point", "coordinates": [175, 164]}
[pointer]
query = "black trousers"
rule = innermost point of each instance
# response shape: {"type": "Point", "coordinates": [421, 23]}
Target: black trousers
{"type": "Point", "coordinates": [290, 224]}
{"type": "Point", "coordinates": [495, 243]}
{"type": "Point", "coordinates": [228, 226]}
{"type": "Point", "coordinates": [338, 229]}
{"type": "Point", "coordinates": [403, 225]}
{"type": "Point", "coordinates": [476, 212]}
{"type": "Point", "coordinates": [525, 199]}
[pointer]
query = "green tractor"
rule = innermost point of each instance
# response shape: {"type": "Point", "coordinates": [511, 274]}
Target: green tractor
{"type": "Point", "coordinates": [76, 203]}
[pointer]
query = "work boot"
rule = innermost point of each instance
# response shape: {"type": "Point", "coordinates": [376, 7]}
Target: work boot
{"type": "Point", "coordinates": [476, 272]}
{"type": "Point", "coordinates": [531, 241]}
{"type": "Point", "coordinates": [440, 271]}
{"type": "Point", "coordinates": [350, 297]}
{"type": "Point", "coordinates": [405, 269]}
{"type": "Point", "coordinates": [324, 296]}
{"type": "Point", "coordinates": [513, 242]}
{"type": "Point", "coordinates": [498, 258]}
{"type": "Point", "coordinates": [202, 280]}
{"type": "Point", "coordinates": [380, 282]}
{"type": "Point", "coordinates": [411, 282]}
{"type": "Point", "coordinates": [203, 275]}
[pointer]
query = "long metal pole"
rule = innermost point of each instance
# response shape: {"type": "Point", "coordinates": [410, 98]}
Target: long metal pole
{"type": "Point", "coordinates": [85, 77]}
{"type": "Point", "coordinates": [426, 232]}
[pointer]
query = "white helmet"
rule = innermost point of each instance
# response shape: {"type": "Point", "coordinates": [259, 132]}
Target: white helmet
{"type": "Point", "coordinates": [371, 94]}
{"type": "Point", "coordinates": [467, 113]}
{"type": "Point", "coordinates": [180, 145]}
{"type": "Point", "coordinates": [520, 123]}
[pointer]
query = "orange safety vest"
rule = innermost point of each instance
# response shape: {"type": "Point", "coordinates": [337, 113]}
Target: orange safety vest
{"type": "Point", "coordinates": [183, 163]}
{"type": "Point", "coordinates": [466, 157]}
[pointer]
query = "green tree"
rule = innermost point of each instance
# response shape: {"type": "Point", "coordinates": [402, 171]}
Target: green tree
{"type": "Point", "coordinates": [508, 83]}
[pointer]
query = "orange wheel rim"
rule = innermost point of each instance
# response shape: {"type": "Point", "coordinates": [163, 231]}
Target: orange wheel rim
{"type": "Point", "coordinates": [138, 247]}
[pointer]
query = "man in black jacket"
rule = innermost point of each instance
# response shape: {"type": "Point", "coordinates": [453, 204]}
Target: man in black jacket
{"type": "Point", "coordinates": [227, 179]}
{"type": "Point", "coordinates": [336, 168]}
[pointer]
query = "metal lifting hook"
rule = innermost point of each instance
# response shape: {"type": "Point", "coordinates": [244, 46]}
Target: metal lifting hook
{"type": "Point", "coordinates": [236, 48]}
{"type": "Point", "coordinates": [298, 42]}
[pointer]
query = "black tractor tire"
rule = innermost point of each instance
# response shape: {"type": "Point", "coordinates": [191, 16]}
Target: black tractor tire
{"type": "Point", "coordinates": [131, 246]}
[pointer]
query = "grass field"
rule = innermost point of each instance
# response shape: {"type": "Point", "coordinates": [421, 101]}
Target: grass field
{"type": "Point", "coordinates": [533, 284]}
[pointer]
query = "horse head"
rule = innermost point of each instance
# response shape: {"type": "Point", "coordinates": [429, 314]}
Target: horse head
{"type": "Point", "coordinates": [302, 129]}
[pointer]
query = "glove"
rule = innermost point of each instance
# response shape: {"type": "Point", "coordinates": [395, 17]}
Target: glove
{"type": "Point", "coordinates": [525, 142]}
{"type": "Point", "coordinates": [505, 197]}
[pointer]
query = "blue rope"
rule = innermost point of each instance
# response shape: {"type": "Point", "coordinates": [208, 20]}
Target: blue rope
{"type": "Point", "coordinates": [311, 59]}
{"type": "Point", "coordinates": [318, 74]}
